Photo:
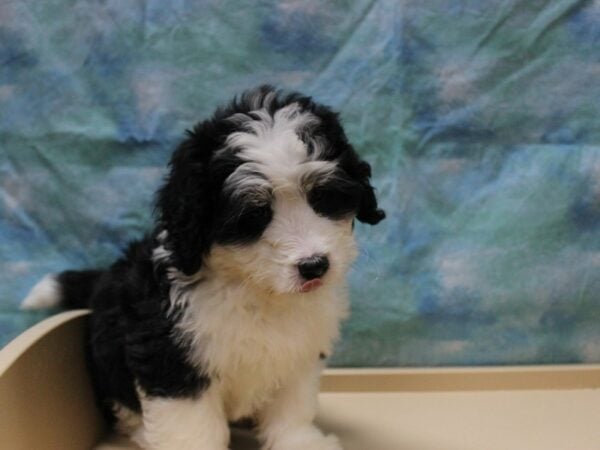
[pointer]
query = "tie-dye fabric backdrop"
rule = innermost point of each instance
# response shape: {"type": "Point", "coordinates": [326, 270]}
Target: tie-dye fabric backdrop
{"type": "Point", "coordinates": [481, 120]}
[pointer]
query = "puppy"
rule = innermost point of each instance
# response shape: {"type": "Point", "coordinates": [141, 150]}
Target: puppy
{"type": "Point", "coordinates": [229, 307]}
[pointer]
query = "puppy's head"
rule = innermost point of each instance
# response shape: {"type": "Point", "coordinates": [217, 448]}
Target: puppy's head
{"type": "Point", "coordinates": [266, 193]}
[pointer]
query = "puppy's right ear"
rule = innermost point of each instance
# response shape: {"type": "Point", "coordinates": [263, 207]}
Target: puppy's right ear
{"type": "Point", "coordinates": [184, 204]}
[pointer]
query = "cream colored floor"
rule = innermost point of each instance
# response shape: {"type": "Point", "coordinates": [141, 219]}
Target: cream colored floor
{"type": "Point", "coordinates": [478, 420]}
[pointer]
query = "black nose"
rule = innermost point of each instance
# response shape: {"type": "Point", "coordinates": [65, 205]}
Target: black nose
{"type": "Point", "coordinates": [313, 267]}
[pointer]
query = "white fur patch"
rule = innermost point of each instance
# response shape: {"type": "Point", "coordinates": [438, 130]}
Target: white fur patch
{"type": "Point", "coordinates": [128, 421]}
{"type": "Point", "coordinates": [251, 343]}
{"type": "Point", "coordinates": [45, 294]}
{"type": "Point", "coordinates": [183, 424]}
{"type": "Point", "coordinates": [286, 423]}
{"type": "Point", "coordinates": [272, 146]}
{"type": "Point", "coordinates": [246, 184]}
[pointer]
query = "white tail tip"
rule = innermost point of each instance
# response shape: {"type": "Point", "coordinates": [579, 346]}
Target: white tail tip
{"type": "Point", "coordinates": [45, 294]}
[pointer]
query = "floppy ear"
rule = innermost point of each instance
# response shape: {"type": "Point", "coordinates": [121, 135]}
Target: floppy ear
{"type": "Point", "coordinates": [184, 205]}
{"type": "Point", "coordinates": [360, 172]}
{"type": "Point", "coordinates": [341, 150]}
{"type": "Point", "coordinates": [368, 212]}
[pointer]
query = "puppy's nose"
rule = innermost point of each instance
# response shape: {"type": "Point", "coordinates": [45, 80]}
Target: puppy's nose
{"type": "Point", "coordinates": [313, 267]}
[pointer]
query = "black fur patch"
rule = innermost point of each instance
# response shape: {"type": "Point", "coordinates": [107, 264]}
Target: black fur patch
{"type": "Point", "coordinates": [77, 287]}
{"type": "Point", "coordinates": [337, 197]}
{"type": "Point", "coordinates": [242, 218]}
{"type": "Point", "coordinates": [242, 223]}
{"type": "Point", "coordinates": [131, 337]}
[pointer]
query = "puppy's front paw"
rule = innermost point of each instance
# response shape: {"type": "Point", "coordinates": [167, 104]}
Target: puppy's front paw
{"type": "Point", "coordinates": [307, 440]}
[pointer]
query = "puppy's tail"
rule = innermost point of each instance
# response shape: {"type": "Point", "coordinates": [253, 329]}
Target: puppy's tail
{"type": "Point", "coordinates": [71, 290]}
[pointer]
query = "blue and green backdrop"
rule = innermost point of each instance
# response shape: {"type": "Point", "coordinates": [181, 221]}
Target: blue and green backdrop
{"type": "Point", "coordinates": [481, 120]}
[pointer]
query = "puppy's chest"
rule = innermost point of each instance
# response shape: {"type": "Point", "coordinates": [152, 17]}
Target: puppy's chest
{"type": "Point", "coordinates": [253, 350]}
{"type": "Point", "coordinates": [246, 387]}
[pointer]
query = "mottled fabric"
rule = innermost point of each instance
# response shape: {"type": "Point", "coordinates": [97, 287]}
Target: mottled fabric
{"type": "Point", "coordinates": [481, 120]}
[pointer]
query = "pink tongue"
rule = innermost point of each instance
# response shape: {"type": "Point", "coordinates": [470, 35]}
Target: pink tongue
{"type": "Point", "coordinates": [310, 285]}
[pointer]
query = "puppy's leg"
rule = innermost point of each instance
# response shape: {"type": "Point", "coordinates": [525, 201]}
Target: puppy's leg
{"type": "Point", "coordinates": [184, 423]}
{"type": "Point", "coordinates": [287, 422]}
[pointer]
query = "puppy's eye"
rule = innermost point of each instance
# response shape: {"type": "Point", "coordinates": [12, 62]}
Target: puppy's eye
{"type": "Point", "coordinates": [245, 224]}
{"type": "Point", "coordinates": [335, 200]}
{"type": "Point", "coordinates": [316, 195]}
{"type": "Point", "coordinates": [259, 213]}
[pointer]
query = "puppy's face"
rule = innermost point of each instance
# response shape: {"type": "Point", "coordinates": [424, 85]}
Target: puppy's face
{"type": "Point", "coordinates": [286, 219]}
{"type": "Point", "coordinates": [266, 194]}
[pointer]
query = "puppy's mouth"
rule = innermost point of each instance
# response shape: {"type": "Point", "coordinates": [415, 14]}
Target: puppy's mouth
{"type": "Point", "coordinates": [311, 285]}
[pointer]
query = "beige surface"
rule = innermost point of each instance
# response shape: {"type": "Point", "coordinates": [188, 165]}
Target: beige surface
{"type": "Point", "coordinates": [46, 402]}
{"type": "Point", "coordinates": [512, 378]}
{"type": "Point", "coordinates": [517, 420]}
{"type": "Point", "coordinates": [491, 420]}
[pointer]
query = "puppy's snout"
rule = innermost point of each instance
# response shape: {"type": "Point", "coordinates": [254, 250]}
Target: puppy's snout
{"type": "Point", "coordinates": [313, 267]}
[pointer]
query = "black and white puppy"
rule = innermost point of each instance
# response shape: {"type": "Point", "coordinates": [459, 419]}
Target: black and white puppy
{"type": "Point", "coordinates": [227, 310]}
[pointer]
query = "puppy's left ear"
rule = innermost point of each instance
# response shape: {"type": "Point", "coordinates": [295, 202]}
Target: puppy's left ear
{"type": "Point", "coordinates": [368, 211]}
{"type": "Point", "coordinates": [359, 171]}
{"type": "Point", "coordinates": [184, 204]}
